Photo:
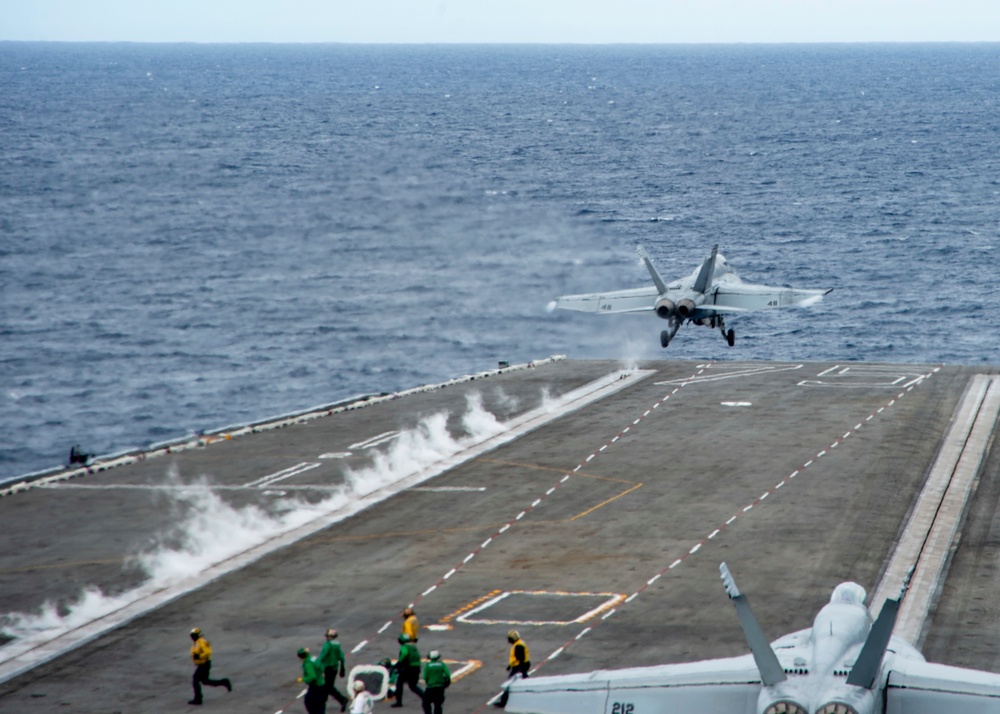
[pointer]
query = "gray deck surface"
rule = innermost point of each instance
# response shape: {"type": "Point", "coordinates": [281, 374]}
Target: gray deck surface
{"type": "Point", "coordinates": [664, 466]}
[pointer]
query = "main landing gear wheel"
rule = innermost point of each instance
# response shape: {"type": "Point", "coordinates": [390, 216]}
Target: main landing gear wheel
{"type": "Point", "coordinates": [664, 339]}
{"type": "Point", "coordinates": [730, 337]}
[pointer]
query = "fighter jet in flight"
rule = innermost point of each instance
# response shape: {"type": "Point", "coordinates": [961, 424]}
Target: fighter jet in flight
{"type": "Point", "coordinates": [844, 664]}
{"type": "Point", "coordinates": [703, 297]}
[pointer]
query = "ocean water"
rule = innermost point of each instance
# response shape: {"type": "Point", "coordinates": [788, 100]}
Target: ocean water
{"type": "Point", "coordinates": [193, 236]}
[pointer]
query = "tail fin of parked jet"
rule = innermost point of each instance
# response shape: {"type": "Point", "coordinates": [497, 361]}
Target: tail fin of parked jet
{"type": "Point", "coordinates": [771, 671]}
{"type": "Point", "coordinates": [869, 661]}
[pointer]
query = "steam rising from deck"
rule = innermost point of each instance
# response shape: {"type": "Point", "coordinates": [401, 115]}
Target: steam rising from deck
{"type": "Point", "coordinates": [210, 530]}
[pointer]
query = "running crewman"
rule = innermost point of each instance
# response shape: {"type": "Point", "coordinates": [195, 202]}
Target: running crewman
{"type": "Point", "coordinates": [201, 655]}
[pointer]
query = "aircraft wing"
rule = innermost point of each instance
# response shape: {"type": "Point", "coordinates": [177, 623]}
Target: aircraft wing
{"type": "Point", "coordinates": [719, 686]}
{"type": "Point", "coordinates": [610, 303]}
{"type": "Point", "coordinates": [917, 687]}
{"type": "Point", "coordinates": [744, 297]}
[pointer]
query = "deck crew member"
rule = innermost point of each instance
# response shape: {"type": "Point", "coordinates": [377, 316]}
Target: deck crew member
{"type": "Point", "coordinates": [411, 625]}
{"type": "Point", "coordinates": [201, 655]}
{"type": "Point", "coordinates": [331, 659]}
{"type": "Point", "coordinates": [437, 677]}
{"type": "Point", "coordinates": [362, 702]}
{"type": "Point", "coordinates": [520, 659]}
{"type": "Point", "coordinates": [312, 677]}
{"type": "Point", "coordinates": [408, 669]}
{"type": "Point", "coordinates": [518, 664]}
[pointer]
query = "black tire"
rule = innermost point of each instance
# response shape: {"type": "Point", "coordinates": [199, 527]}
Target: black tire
{"type": "Point", "coordinates": [664, 339]}
{"type": "Point", "coordinates": [731, 337]}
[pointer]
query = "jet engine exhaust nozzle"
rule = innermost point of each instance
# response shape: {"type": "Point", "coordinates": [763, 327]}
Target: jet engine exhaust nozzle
{"type": "Point", "coordinates": [665, 308]}
{"type": "Point", "coordinates": [685, 307]}
{"type": "Point", "coordinates": [785, 707]}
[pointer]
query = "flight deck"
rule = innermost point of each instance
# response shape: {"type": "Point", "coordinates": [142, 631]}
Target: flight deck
{"type": "Point", "coordinates": [586, 504]}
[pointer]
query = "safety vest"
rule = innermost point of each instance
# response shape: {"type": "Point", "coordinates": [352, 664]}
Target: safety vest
{"type": "Point", "coordinates": [513, 659]}
{"type": "Point", "coordinates": [201, 651]}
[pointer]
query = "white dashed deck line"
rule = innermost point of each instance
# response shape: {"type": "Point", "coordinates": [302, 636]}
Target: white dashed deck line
{"type": "Point", "coordinates": [732, 519]}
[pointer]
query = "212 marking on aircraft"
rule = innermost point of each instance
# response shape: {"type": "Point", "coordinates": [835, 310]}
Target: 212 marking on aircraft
{"type": "Point", "coordinates": [846, 663]}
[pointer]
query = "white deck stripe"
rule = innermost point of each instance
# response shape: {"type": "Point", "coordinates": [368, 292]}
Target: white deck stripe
{"type": "Point", "coordinates": [932, 527]}
{"type": "Point", "coordinates": [22, 655]}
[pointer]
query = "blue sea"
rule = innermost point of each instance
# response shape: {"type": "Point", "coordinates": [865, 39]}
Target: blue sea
{"type": "Point", "coordinates": [194, 236]}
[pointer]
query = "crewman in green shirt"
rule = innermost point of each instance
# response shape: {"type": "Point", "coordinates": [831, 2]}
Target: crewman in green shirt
{"type": "Point", "coordinates": [312, 676]}
{"type": "Point", "coordinates": [331, 659]}
{"type": "Point", "coordinates": [437, 677]}
{"type": "Point", "coordinates": [408, 667]}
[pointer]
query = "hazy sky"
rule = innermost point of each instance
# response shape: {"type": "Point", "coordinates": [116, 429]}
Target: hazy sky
{"type": "Point", "coordinates": [584, 21]}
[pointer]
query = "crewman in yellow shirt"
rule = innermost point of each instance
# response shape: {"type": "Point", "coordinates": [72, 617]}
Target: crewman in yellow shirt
{"type": "Point", "coordinates": [201, 655]}
{"type": "Point", "coordinates": [411, 625]}
{"type": "Point", "coordinates": [518, 664]}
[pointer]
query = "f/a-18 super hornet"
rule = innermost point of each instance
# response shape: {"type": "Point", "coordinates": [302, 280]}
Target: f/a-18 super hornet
{"type": "Point", "coordinates": [703, 297]}
{"type": "Point", "coordinates": [844, 664]}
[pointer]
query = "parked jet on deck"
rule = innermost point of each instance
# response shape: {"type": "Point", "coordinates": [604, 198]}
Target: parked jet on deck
{"type": "Point", "coordinates": [703, 297]}
{"type": "Point", "coordinates": [844, 664]}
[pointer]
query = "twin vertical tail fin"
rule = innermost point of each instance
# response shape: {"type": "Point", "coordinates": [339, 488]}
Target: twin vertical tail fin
{"type": "Point", "coordinates": [704, 280]}
{"type": "Point", "coordinates": [653, 273]}
{"type": "Point", "coordinates": [702, 283]}
{"type": "Point", "coordinates": [771, 671]}
{"type": "Point", "coordinates": [869, 661]}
